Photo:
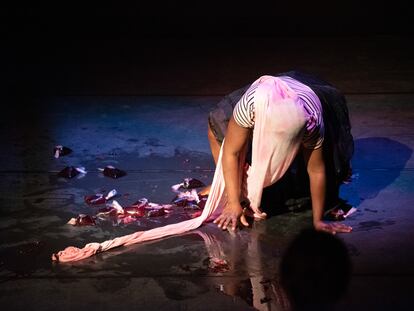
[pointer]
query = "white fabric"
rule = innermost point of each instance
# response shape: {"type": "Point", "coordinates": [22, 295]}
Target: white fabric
{"type": "Point", "coordinates": [244, 111]}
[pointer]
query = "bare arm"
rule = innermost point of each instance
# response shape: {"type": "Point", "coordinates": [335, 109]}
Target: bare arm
{"type": "Point", "coordinates": [316, 169]}
{"type": "Point", "coordinates": [236, 138]}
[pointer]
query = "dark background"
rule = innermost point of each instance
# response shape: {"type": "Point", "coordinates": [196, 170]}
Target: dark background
{"type": "Point", "coordinates": [198, 48]}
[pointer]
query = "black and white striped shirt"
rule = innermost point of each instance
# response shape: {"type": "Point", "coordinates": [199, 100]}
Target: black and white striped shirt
{"type": "Point", "coordinates": [243, 112]}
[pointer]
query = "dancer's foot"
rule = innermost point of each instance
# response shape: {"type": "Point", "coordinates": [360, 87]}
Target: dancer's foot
{"type": "Point", "coordinates": [205, 190]}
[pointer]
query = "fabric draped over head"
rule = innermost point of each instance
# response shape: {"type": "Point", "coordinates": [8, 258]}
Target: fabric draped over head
{"type": "Point", "coordinates": [279, 125]}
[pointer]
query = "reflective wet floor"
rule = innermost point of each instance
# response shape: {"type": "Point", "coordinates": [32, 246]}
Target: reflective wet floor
{"type": "Point", "coordinates": [158, 141]}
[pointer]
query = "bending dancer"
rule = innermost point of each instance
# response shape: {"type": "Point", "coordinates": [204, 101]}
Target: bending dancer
{"type": "Point", "coordinates": [282, 115]}
{"type": "Point", "coordinates": [301, 116]}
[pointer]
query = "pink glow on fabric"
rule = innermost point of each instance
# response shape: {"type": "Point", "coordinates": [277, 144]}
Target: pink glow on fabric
{"type": "Point", "coordinates": [279, 125]}
{"type": "Point", "coordinates": [277, 135]}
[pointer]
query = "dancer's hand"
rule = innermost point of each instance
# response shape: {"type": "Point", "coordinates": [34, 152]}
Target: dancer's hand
{"type": "Point", "coordinates": [230, 216]}
{"type": "Point", "coordinates": [332, 228]}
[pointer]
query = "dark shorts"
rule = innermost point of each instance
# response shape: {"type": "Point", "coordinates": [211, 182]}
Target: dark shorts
{"type": "Point", "coordinates": [220, 116]}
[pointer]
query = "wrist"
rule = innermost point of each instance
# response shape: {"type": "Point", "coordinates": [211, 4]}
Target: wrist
{"type": "Point", "coordinates": [234, 205]}
{"type": "Point", "coordinates": [317, 217]}
{"type": "Point", "coordinates": [233, 201]}
{"type": "Point", "coordinates": [317, 222]}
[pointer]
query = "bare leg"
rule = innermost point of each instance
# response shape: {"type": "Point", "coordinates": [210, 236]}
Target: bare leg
{"type": "Point", "coordinates": [214, 145]}
{"type": "Point", "coordinates": [215, 151]}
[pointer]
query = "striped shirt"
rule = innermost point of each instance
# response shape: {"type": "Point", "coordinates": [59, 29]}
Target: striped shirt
{"type": "Point", "coordinates": [243, 112]}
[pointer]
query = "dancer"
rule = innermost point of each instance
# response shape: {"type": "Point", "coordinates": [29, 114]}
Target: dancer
{"type": "Point", "coordinates": [303, 116]}
{"type": "Point", "coordinates": [282, 124]}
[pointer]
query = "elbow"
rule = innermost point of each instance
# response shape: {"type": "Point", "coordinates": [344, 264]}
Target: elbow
{"type": "Point", "coordinates": [316, 167]}
{"type": "Point", "coordinates": [316, 170]}
{"type": "Point", "coordinates": [230, 155]}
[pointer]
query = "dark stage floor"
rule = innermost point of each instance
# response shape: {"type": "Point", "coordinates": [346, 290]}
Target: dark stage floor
{"type": "Point", "coordinates": [159, 137]}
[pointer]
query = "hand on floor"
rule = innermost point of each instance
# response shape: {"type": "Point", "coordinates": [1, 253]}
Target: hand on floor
{"type": "Point", "coordinates": [230, 216]}
{"type": "Point", "coordinates": [332, 227]}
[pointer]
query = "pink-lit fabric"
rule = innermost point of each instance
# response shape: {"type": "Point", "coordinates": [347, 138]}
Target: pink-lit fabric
{"type": "Point", "coordinates": [279, 125]}
{"type": "Point", "coordinates": [280, 121]}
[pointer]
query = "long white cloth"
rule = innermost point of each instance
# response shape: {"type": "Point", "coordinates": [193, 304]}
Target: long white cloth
{"type": "Point", "coordinates": [279, 125]}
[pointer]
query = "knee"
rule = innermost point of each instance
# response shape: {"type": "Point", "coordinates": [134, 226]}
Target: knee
{"type": "Point", "coordinates": [210, 134]}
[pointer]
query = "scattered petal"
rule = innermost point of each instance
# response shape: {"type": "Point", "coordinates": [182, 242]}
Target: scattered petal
{"type": "Point", "coordinates": [60, 151]}
{"type": "Point", "coordinates": [82, 220]}
{"type": "Point", "coordinates": [112, 172]}
{"type": "Point", "coordinates": [71, 171]}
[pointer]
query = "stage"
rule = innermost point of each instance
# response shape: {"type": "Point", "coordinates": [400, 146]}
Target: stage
{"type": "Point", "coordinates": [142, 106]}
